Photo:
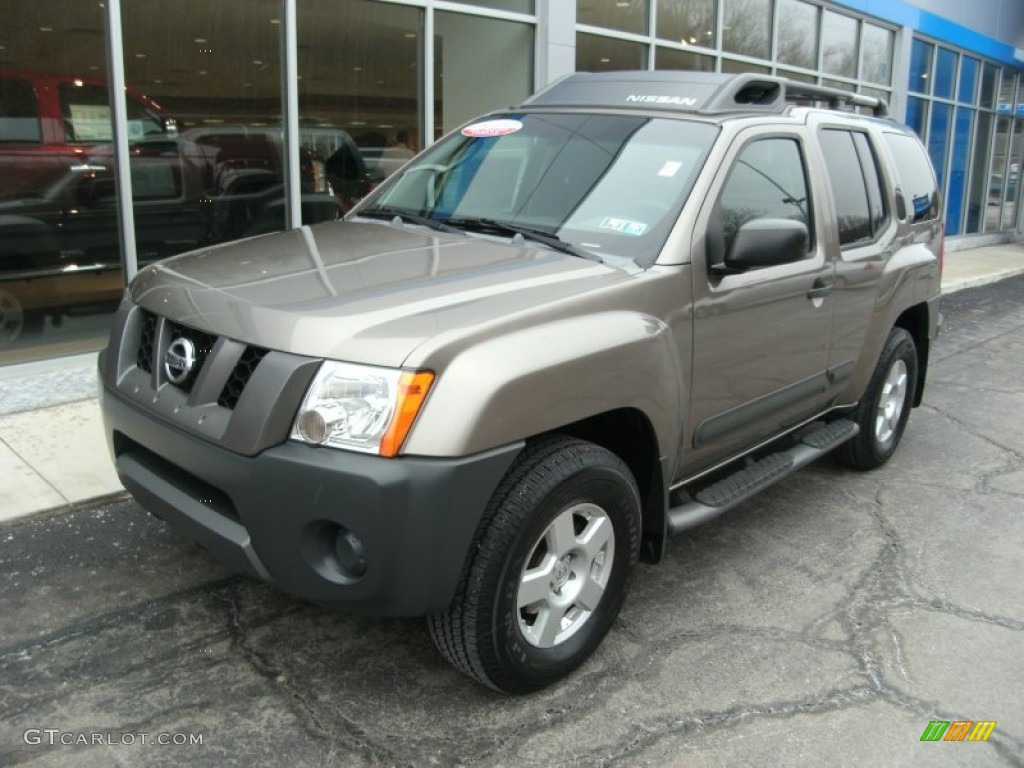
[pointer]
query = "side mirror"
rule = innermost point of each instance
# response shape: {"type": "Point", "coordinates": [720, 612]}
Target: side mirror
{"type": "Point", "coordinates": [766, 243]}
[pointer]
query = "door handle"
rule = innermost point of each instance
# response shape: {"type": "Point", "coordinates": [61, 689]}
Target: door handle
{"type": "Point", "coordinates": [820, 290]}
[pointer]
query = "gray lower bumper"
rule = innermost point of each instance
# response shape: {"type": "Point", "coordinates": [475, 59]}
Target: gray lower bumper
{"type": "Point", "coordinates": [279, 515]}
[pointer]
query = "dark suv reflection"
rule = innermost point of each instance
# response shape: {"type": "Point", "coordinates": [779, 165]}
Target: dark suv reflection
{"type": "Point", "coordinates": [59, 248]}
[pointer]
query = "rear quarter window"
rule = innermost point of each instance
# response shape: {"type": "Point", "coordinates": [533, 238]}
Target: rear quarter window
{"type": "Point", "coordinates": [917, 180]}
{"type": "Point", "coordinates": [856, 188]}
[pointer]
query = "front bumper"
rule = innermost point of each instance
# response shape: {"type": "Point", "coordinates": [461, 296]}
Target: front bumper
{"type": "Point", "coordinates": [278, 515]}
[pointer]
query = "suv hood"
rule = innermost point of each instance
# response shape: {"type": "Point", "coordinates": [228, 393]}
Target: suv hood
{"type": "Point", "coordinates": [362, 292]}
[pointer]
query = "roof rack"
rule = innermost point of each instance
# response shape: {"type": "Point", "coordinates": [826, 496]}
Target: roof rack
{"type": "Point", "coordinates": [703, 92]}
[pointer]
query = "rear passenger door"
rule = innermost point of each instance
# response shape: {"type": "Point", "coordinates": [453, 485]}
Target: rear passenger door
{"type": "Point", "coordinates": [860, 229]}
{"type": "Point", "coordinates": [761, 334]}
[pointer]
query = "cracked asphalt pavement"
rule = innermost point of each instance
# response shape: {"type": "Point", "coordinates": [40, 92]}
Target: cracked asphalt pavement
{"type": "Point", "coordinates": [825, 622]}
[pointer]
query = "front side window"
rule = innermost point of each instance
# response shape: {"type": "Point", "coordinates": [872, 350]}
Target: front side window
{"type": "Point", "coordinates": [768, 181]}
{"type": "Point", "coordinates": [603, 183]}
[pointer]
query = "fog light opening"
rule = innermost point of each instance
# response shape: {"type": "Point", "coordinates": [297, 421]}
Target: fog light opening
{"type": "Point", "coordinates": [348, 549]}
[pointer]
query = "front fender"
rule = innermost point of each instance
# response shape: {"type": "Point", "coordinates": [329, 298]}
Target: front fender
{"type": "Point", "coordinates": [537, 379]}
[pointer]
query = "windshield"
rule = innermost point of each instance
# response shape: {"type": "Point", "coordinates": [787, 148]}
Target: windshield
{"type": "Point", "coordinates": [606, 184]}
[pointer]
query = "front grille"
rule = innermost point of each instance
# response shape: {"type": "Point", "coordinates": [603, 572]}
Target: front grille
{"type": "Point", "coordinates": [151, 353]}
{"type": "Point", "coordinates": [240, 376]}
{"type": "Point", "coordinates": [144, 357]}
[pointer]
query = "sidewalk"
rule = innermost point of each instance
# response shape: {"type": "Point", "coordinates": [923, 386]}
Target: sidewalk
{"type": "Point", "coordinates": [53, 455]}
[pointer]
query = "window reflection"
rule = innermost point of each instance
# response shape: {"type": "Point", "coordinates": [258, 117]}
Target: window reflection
{"type": "Point", "coordinates": [978, 199]}
{"type": "Point", "coordinates": [798, 34]}
{"type": "Point", "coordinates": [945, 71]}
{"type": "Point", "coordinates": [839, 45]}
{"type": "Point", "coordinates": [691, 22]}
{"type": "Point", "coordinates": [214, 168]}
{"type": "Point", "coordinates": [672, 58]}
{"type": "Point", "coordinates": [1013, 176]}
{"type": "Point", "coordinates": [747, 28]}
{"type": "Point", "coordinates": [997, 178]}
{"type": "Point", "coordinates": [359, 64]}
{"type": "Point", "coordinates": [989, 75]}
{"type": "Point", "coordinates": [876, 43]}
{"type": "Point", "coordinates": [958, 169]}
{"type": "Point", "coordinates": [968, 79]}
{"type": "Point", "coordinates": [467, 83]}
{"type": "Point", "coordinates": [60, 267]}
{"type": "Point", "coordinates": [621, 15]}
{"type": "Point", "coordinates": [604, 54]}
{"type": "Point", "coordinates": [518, 6]}
{"type": "Point", "coordinates": [938, 138]}
{"type": "Point", "coordinates": [920, 66]}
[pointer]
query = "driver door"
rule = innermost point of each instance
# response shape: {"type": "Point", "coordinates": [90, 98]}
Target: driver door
{"type": "Point", "coordinates": [761, 334]}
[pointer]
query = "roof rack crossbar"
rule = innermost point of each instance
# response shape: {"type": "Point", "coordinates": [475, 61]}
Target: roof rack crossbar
{"type": "Point", "coordinates": [835, 97]}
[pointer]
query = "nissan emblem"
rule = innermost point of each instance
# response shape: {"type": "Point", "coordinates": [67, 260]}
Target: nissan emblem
{"type": "Point", "coordinates": [179, 360]}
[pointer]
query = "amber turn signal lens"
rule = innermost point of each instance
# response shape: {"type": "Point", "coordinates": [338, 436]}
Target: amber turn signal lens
{"type": "Point", "coordinates": [412, 391]}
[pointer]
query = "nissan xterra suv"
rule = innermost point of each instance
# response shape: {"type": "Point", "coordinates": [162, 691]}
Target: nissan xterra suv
{"type": "Point", "coordinates": [557, 336]}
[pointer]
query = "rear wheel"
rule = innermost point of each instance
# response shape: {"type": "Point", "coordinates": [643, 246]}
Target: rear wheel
{"type": "Point", "coordinates": [549, 570]}
{"type": "Point", "coordinates": [883, 411]}
{"type": "Point", "coordinates": [15, 321]}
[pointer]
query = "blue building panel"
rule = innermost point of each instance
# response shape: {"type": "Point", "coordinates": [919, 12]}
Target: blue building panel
{"type": "Point", "coordinates": [906, 15]}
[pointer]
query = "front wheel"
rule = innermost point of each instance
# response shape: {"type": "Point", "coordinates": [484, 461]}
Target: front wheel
{"type": "Point", "coordinates": [548, 573]}
{"type": "Point", "coordinates": [883, 411]}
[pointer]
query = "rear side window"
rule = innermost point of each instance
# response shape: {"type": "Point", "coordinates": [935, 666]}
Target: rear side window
{"type": "Point", "coordinates": [916, 178]}
{"type": "Point", "coordinates": [856, 188]}
{"type": "Point", "coordinates": [19, 114]}
{"type": "Point", "coordinates": [767, 182]}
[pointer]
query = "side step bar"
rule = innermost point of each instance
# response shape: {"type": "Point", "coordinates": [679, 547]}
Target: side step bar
{"type": "Point", "coordinates": [725, 494]}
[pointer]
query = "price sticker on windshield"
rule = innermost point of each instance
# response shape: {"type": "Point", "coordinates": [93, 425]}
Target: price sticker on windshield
{"type": "Point", "coordinates": [491, 128]}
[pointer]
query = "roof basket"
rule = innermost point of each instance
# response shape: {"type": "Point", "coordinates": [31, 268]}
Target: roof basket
{"type": "Point", "coordinates": [702, 92]}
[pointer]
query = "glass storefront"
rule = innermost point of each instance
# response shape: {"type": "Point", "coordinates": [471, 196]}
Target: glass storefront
{"type": "Point", "coordinates": [606, 54]}
{"type": "Point", "coordinates": [973, 134]}
{"type": "Point", "coordinates": [359, 85]}
{"type": "Point", "coordinates": [466, 83]}
{"type": "Point", "coordinates": [60, 273]}
{"type": "Point", "coordinates": [798, 34]}
{"type": "Point", "coordinates": [209, 95]}
{"type": "Point", "coordinates": [206, 131]}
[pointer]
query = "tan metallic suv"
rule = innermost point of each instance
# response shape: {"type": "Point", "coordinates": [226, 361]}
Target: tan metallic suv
{"type": "Point", "coordinates": [555, 337]}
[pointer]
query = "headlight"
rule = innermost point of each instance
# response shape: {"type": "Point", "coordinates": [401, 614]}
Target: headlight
{"type": "Point", "coordinates": [361, 408]}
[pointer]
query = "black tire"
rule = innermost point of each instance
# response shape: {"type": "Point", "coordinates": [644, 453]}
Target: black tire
{"type": "Point", "coordinates": [883, 411]}
{"type": "Point", "coordinates": [16, 322]}
{"type": "Point", "coordinates": [555, 482]}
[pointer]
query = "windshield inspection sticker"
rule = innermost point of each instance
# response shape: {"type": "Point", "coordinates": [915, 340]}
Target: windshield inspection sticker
{"type": "Point", "coordinates": [491, 128]}
{"type": "Point", "coordinates": [670, 169]}
{"type": "Point", "coordinates": [624, 226]}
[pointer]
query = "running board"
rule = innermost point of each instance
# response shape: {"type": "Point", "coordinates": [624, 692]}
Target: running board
{"type": "Point", "coordinates": [725, 494]}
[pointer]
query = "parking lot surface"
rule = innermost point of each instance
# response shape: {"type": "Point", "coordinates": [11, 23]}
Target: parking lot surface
{"type": "Point", "coordinates": [827, 621]}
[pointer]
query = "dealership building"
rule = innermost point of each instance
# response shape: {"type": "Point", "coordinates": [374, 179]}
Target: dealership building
{"type": "Point", "coordinates": [131, 130]}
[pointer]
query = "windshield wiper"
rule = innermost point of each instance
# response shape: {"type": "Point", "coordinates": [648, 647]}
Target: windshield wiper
{"type": "Point", "coordinates": [412, 218]}
{"type": "Point", "coordinates": [493, 226]}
